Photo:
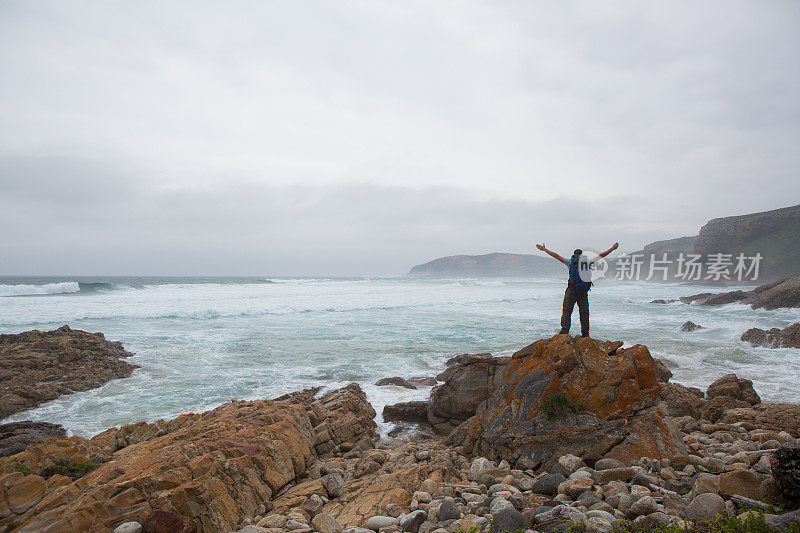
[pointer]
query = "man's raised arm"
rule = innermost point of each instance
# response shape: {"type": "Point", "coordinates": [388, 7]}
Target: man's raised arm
{"type": "Point", "coordinates": [552, 254]}
{"type": "Point", "coordinates": [603, 254]}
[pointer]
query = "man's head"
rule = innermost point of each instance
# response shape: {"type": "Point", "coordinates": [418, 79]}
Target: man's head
{"type": "Point", "coordinates": [577, 252]}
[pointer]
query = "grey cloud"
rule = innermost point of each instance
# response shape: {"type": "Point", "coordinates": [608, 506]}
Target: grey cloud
{"type": "Point", "coordinates": [378, 134]}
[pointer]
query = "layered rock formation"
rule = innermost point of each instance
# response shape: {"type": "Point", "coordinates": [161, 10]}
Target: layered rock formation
{"type": "Point", "coordinates": [573, 395]}
{"type": "Point", "coordinates": [788, 337]}
{"type": "Point", "coordinates": [211, 468]}
{"type": "Point", "coordinates": [38, 366]}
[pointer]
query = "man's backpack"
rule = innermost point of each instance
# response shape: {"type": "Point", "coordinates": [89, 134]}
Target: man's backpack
{"type": "Point", "coordinates": [580, 274]}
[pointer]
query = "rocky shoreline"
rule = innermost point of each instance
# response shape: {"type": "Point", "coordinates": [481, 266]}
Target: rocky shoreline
{"type": "Point", "coordinates": [566, 433]}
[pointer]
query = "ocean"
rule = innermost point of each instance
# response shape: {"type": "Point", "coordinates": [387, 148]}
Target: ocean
{"type": "Point", "coordinates": [201, 342]}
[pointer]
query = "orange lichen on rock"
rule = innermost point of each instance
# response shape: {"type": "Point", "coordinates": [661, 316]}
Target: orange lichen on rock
{"type": "Point", "coordinates": [612, 392]}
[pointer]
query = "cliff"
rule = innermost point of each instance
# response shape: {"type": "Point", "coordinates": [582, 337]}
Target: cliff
{"type": "Point", "coordinates": [488, 265]}
{"type": "Point", "coordinates": [773, 234]}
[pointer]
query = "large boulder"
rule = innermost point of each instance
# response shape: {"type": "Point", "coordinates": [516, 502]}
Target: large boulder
{"type": "Point", "coordinates": [211, 468]}
{"type": "Point", "coordinates": [788, 337]}
{"type": "Point", "coordinates": [574, 395]}
{"type": "Point", "coordinates": [38, 366]}
{"type": "Point", "coordinates": [730, 385]}
{"type": "Point", "coordinates": [728, 392]}
{"type": "Point", "coordinates": [467, 382]}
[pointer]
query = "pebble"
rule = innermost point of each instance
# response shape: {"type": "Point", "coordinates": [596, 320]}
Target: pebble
{"type": "Point", "coordinates": [376, 522]}
{"type": "Point", "coordinates": [128, 527]}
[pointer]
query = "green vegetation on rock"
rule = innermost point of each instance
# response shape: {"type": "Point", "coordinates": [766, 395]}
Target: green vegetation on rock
{"type": "Point", "coordinates": [69, 468]}
{"type": "Point", "coordinates": [559, 403]}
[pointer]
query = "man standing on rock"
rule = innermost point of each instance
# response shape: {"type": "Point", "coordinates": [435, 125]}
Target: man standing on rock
{"type": "Point", "coordinates": [578, 286]}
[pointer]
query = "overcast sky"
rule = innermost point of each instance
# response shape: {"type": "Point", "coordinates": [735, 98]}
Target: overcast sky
{"type": "Point", "coordinates": [361, 138]}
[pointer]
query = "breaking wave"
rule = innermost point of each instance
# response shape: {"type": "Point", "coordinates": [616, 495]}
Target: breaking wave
{"type": "Point", "coordinates": [47, 289]}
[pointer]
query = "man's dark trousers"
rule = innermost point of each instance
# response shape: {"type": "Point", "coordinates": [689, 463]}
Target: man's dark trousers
{"type": "Point", "coordinates": [572, 297]}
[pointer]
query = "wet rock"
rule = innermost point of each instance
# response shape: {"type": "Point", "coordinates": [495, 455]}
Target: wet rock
{"type": "Point", "coordinates": [414, 411]}
{"type": "Point", "coordinates": [705, 506]}
{"type": "Point", "coordinates": [788, 337]}
{"type": "Point", "coordinates": [17, 436]}
{"type": "Point", "coordinates": [396, 381]}
{"type": "Point", "coordinates": [423, 381]}
{"type": "Point", "coordinates": [691, 326]}
{"type": "Point", "coordinates": [37, 366]}
{"type": "Point", "coordinates": [785, 464]}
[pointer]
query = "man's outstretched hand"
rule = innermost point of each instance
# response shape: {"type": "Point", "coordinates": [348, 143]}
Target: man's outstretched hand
{"type": "Point", "coordinates": [541, 247]}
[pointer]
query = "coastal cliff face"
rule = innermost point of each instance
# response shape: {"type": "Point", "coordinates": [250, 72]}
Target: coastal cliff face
{"type": "Point", "coordinates": [38, 366]}
{"type": "Point", "coordinates": [772, 233]}
{"type": "Point", "coordinates": [211, 468]}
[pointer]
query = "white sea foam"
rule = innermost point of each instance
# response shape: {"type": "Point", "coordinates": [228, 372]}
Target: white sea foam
{"type": "Point", "coordinates": [46, 288]}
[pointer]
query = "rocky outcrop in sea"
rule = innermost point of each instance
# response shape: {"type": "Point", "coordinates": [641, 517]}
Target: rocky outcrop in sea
{"type": "Point", "coordinates": [38, 366]}
{"type": "Point", "coordinates": [779, 294]}
{"type": "Point", "coordinates": [788, 337]}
